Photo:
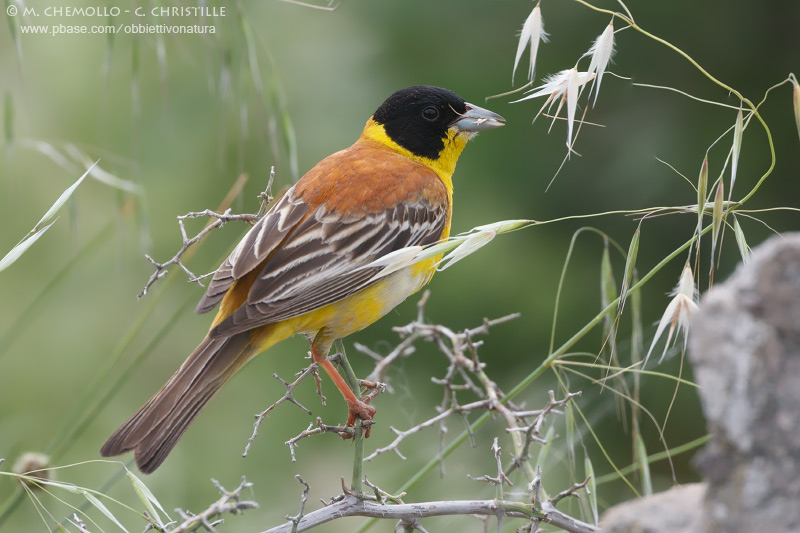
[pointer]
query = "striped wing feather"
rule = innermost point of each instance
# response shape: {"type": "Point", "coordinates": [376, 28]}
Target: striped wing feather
{"type": "Point", "coordinates": [319, 262]}
{"type": "Point", "coordinates": [262, 239]}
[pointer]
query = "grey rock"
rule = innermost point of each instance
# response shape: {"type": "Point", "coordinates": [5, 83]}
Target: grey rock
{"type": "Point", "coordinates": [744, 347]}
{"type": "Point", "coordinates": [676, 509]}
{"type": "Point", "coordinates": [745, 350]}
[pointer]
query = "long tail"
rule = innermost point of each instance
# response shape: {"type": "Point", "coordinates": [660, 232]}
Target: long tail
{"type": "Point", "coordinates": [158, 425]}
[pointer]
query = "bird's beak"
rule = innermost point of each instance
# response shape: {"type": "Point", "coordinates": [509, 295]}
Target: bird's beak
{"type": "Point", "coordinates": [478, 119]}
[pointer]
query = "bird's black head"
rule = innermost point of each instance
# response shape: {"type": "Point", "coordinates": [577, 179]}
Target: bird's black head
{"type": "Point", "coordinates": [417, 118]}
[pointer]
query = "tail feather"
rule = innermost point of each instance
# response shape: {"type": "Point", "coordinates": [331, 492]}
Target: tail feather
{"type": "Point", "coordinates": [158, 425]}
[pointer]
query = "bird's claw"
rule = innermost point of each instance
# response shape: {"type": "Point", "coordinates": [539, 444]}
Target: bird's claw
{"type": "Point", "coordinates": [359, 409]}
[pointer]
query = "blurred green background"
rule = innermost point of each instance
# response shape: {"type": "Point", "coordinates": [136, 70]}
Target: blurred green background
{"type": "Point", "coordinates": [181, 116]}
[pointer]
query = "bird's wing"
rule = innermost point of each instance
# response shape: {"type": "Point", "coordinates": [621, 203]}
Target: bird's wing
{"type": "Point", "coordinates": [320, 261]}
{"type": "Point", "coordinates": [262, 239]}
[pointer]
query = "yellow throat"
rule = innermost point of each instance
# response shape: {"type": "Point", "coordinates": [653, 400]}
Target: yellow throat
{"type": "Point", "coordinates": [444, 165]}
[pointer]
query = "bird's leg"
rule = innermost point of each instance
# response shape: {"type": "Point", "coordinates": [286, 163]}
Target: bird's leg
{"type": "Point", "coordinates": [356, 408]}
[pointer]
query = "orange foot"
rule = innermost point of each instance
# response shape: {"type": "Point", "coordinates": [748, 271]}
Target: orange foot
{"type": "Point", "coordinates": [359, 409]}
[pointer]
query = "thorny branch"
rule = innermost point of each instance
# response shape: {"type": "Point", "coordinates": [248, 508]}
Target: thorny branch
{"type": "Point", "coordinates": [303, 500]}
{"type": "Point", "coordinates": [402, 435]}
{"type": "Point", "coordinates": [465, 372]}
{"type": "Point", "coordinates": [350, 505]}
{"type": "Point", "coordinates": [381, 495]}
{"type": "Point", "coordinates": [161, 268]}
{"type": "Point", "coordinates": [572, 491]}
{"type": "Point", "coordinates": [188, 242]}
{"type": "Point", "coordinates": [318, 428]}
{"type": "Point", "coordinates": [501, 478]}
{"type": "Point", "coordinates": [314, 428]}
{"type": "Point", "coordinates": [229, 502]}
{"type": "Point", "coordinates": [287, 397]}
{"type": "Point", "coordinates": [533, 431]}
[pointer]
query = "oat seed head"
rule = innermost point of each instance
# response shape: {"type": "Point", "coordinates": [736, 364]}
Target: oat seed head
{"type": "Point", "coordinates": [677, 314]}
{"type": "Point", "coordinates": [738, 130]}
{"type": "Point", "coordinates": [702, 188]}
{"type": "Point", "coordinates": [564, 85]}
{"type": "Point", "coordinates": [602, 51]}
{"type": "Point", "coordinates": [532, 33]}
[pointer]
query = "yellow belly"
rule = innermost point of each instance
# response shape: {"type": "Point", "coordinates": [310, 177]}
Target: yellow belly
{"type": "Point", "coordinates": [354, 313]}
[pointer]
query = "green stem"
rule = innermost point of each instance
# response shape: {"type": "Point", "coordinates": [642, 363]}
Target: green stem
{"type": "Point", "coordinates": [358, 437]}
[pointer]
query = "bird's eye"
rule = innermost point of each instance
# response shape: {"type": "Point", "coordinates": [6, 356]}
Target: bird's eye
{"type": "Point", "coordinates": [430, 113]}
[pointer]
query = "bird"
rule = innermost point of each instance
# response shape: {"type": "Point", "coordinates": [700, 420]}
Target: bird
{"type": "Point", "coordinates": [306, 266]}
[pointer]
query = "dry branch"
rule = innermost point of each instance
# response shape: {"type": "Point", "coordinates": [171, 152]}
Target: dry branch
{"type": "Point", "coordinates": [287, 397]}
{"type": "Point", "coordinates": [161, 268]}
{"type": "Point", "coordinates": [229, 502]}
{"type": "Point", "coordinates": [351, 506]}
{"type": "Point", "coordinates": [220, 220]}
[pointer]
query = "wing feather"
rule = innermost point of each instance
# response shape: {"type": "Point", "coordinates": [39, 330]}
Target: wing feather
{"type": "Point", "coordinates": [262, 239]}
{"type": "Point", "coordinates": [320, 261]}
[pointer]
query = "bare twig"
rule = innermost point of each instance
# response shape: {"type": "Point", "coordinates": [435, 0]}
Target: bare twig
{"type": "Point", "coordinates": [303, 500]}
{"type": "Point", "coordinates": [533, 431]}
{"type": "Point", "coordinates": [501, 478]}
{"type": "Point", "coordinates": [310, 430]}
{"type": "Point", "coordinates": [572, 491]}
{"type": "Point", "coordinates": [161, 268]}
{"type": "Point", "coordinates": [318, 428]}
{"type": "Point", "coordinates": [381, 495]}
{"type": "Point", "coordinates": [535, 486]}
{"type": "Point", "coordinates": [333, 500]}
{"type": "Point", "coordinates": [266, 195]}
{"type": "Point", "coordinates": [352, 506]}
{"type": "Point", "coordinates": [287, 397]}
{"type": "Point", "coordinates": [498, 482]}
{"type": "Point", "coordinates": [229, 502]}
{"type": "Point", "coordinates": [461, 351]}
{"type": "Point", "coordinates": [220, 220]}
{"type": "Point", "coordinates": [402, 435]}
